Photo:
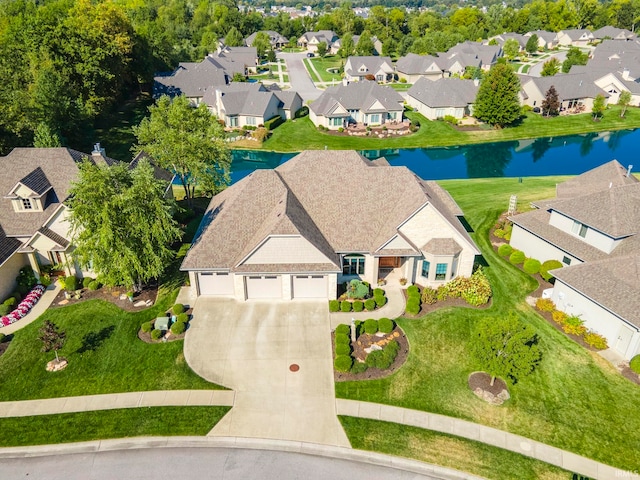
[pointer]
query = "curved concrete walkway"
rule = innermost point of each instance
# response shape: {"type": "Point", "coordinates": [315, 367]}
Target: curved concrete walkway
{"type": "Point", "coordinates": [38, 309]}
{"type": "Point", "coordinates": [481, 433]}
{"type": "Point", "coordinates": [394, 308]}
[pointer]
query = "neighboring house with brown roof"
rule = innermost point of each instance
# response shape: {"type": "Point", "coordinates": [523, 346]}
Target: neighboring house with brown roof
{"type": "Point", "coordinates": [33, 215]}
{"type": "Point", "coordinates": [299, 230]}
{"type": "Point", "coordinates": [444, 97]}
{"type": "Point", "coordinates": [357, 102]}
{"type": "Point", "coordinates": [363, 68]}
{"type": "Point", "coordinates": [592, 227]}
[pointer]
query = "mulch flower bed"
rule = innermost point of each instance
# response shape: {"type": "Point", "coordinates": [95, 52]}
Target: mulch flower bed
{"type": "Point", "coordinates": [24, 307]}
{"type": "Point", "coordinates": [146, 336]}
{"type": "Point", "coordinates": [112, 295]}
{"type": "Point", "coordinates": [365, 341]}
{"type": "Point", "coordinates": [449, 302]}
{"type": "Point", "coordinates": [480, 385]}
{"type": "Point", "coordinates": [625, 371]}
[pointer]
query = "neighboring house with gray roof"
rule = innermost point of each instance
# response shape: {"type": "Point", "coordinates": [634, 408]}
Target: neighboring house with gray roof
{"type": "Point", "coordinates": [546, 39]}
{"type": "Point", "coordinates": [614, 33]}
{"type": "Point", "coordinates": [577, 37]}
{"type": "Point", "coordinates": [310, 40]}
{"type": "Point", "coordinates": [299, 230]}
{"type": "Point", "coordinates": [444, 97]}
{"type": "Point", "coordinates": [503, 37]}
{"type": "Point", "coordinates": [358, 102]}
{"type": "Point", "coordinates": [412, 67]}
{"type": "Point", "coordinates": [575, 90]}
{"type": "Point", "coordinates": [360, 68]}
{"type": "Point", "coordinates": [590, 226]}
{"type": "Point", "coordinates": [377, 45]}
{"type": "Point", "coordinates": [487, 54]}
{"type": "Point", "coordinates": [276, 40]}
{"type": "Point", "coordinates": [251, 104]}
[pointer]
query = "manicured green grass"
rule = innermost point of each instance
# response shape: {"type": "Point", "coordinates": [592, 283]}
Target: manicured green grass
{"type": "Point", "coordinates": [303, 135]}
{"type": "Point", "coordinates": [525, 69]}
{"type": "Point", "coordinates": [446, 450]}
{"type": "Point", "coordinates": [312, 73]}
{"type": "Point", "coordinates": [105, 424]}
{"type": "Point", "coordinates": [104, 353]}
{"type": "Point", "coordinates": [322, 64]}
{"type": "Point", "coordinates": [400, 87]}
{"type": "Point", "coordinates": [575, 400]}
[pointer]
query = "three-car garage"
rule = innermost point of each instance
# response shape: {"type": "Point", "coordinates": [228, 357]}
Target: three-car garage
{"type": "Point", "coordinates": [263, 286]}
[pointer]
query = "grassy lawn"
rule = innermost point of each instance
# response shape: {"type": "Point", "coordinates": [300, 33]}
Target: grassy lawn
{"type": "Point", "coordinates": [525, 69]}
{"type": "Point", "coordinates": [126, 422]}
{"type": "Point", "coordinates": [575, 400]}
{"type": "Point", "coordinates": [303, 135]}
{"type": "Point", "coordinates": [322, 64]}
{"type": "Point", "coordinates": [312, 73]}
{"type": "Point", "coordinates": [104, 353]}
{"type": "Point", "coordinates": [446, 450]}
{"type": "Point", "coordinates": [400, 87]}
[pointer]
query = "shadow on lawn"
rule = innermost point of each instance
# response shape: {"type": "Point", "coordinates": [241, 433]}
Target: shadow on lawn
{"type": "Point", "coordinates": [92, 340]}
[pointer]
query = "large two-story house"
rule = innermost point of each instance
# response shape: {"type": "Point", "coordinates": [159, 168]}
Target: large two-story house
{"type": "Point", "coordinates": [324, 218]}
{"type": "Point", "coordinates": [592, 227]}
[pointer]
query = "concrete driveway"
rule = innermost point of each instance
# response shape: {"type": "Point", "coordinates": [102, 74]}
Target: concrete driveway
{"type": "Point", "coordinates": [298, 76]}
{"type": "Point", "coordinates": [249, 347]}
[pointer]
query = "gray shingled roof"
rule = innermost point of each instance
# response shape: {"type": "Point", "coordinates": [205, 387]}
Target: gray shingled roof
{"type": "Point", "coordinates": [486, 53]}
{"type": "Point", "coordinates": [444, 92]}
{"type": "Point", "coordinates": [613, 283]}
{"type": "Point", "coordinates": [413, 64]}
{"type": "Point", "coordinates": [568, 86]}
{"type": "Point", "coordinates": [274, 38]}
{"type": "Point", "coordinates": [357, 96]}
{"type": "Point", "coordinates": [36, 181]}
{"type": "Point", "coordinates": [546, 36]}
{"type": "Point", "coordinates": [8, 246]}
{"type": "Point", "coordinates": [371, 63]}
{"type": "Point", "coordinates": [191, 79]}
{"type": "Point", "coordinates": [62, 242]}
{"type": "Point", "coordinates": [442, 246]}
{"type": "Point", "coordinates": [595, 180]}
{"type": "Point", "coordinates": [576, 33]}
{"type": "Point", "coordinates": [158, 173]}
{"type": "Point", "coordinates": [613, 33]}
{"type": "Point", "coordinates": [304, 196]}
{"type": "Point", "coordinates": [327, 36]}
{"type": "Point", "coordinates": [287, 97]}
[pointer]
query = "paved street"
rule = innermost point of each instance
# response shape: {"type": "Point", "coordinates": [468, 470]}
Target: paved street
{"type": "Point", "coordinates": [298, 76]}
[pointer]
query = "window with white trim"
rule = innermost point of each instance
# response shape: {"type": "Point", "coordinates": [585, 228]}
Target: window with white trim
{"type": "Point", "coordinates": [425, 268]}
{"type": "Point", "coordinates": [579, 229]}
{"type": "Point", "coordinates": [251, 120]}
{"type": "Point", "coordinates": [441, 271]}
{"type": "Point", "coordinates": [26, 204]}
{"type": "Point", "coordinates": [353, 264]}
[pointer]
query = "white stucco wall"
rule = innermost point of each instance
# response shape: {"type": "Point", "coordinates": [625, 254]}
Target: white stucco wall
{"type": "Point", "coordinates": [535, 247]}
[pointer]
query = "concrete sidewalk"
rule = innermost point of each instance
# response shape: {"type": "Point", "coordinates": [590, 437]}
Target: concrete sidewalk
{"type": "Point", "coordinates": [111, 401]}
{"type": "Point", "coordinates": [38, 309]}
{"type": "Point", "coordinates": [394, 308]}
{"type": "Point", "coordinates": [480, 433]}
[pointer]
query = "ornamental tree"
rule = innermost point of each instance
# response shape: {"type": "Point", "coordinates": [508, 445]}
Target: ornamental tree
{"type": "Point", "coordinates": [506, 348]}
{"type": "Point", "coordinates": [122, 223]}
{"type": "Point", "coordinates": [497, 101]}
{"type": "Point", "coordinates": [624, 101]}
{"type": "Point", "coordinates": [598, 106]}
{"type": "Point", "coordinates": [511, 48]}
{"type": "Point", "coordinates": [322, 49]}
{"type": "Point", "coordinates": [550, 67]}
{"type": "Point", "coordinates": [51, 337]}
{"type": "Point", "coordinates": [188, 142]}
{"type": "Point", "coordinates": [551, 104]}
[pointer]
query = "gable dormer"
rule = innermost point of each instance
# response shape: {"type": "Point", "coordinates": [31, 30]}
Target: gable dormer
{"type": "Point", "coordinates": [363, 68]}
{"type": "Point", "coordinates": [30, 193]}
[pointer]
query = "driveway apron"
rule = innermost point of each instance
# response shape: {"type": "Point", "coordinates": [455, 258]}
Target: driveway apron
{"type": "Point", "coordinates": [250, 347]}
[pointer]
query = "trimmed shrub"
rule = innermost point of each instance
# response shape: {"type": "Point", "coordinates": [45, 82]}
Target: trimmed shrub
{"type": "Point", "coordinates": [596, 340]}
{"type": "Point", "coordinates": [273, 122]}
{"type": "Point", "coordinates": [357, 289]}
{"type": "Point", "coordinates": [634, 364]}
{"type": "Point", "coordinates": [156, 334]}
{"type": "Point", "coordinates": [442, 293]}
{"type": "Point", "coordinates": [378, 292]}
{"type": "Point", "coordinates": [86, 281]}
{"type": "Point", "coordinates": [370, 304]}
{"type": "Point", "coordinates": [343, 328]}
{"type": "Point", "coordinates": [371, 326]}
{"type": "Point", "coordinates": [516, 257]}
{"type": "Point", "coordinates": [498, 232]}
{"type": "Point", "coordinates": [182, 317]}
{"type": "Point", "coordinates": [345, 306]}
{"type": "Point", "coordinates": [147, 327]}
{"type": "Point", "coordinates": [574, 326]}
{"type": "Point", "coordinates": [4, 309]}
{"type": "Point", "coordinates": [10, 302]}
{"type": "Point", "coordinates": [343, 349]}
{"type": "Point", "coordinates": [95, 285]}
{"type": "Point", "coordinates": [545, 305]}
{"type": "Point", "coordinates": [476, 290]}
{"type": "Point", "coordinates": [343, 338]}
{"type": "Point", "coordinates": [343, 363]}
{"type": "Point", "coordinates": [374, 359]}
{"type": "Point", "coordinates": [177, 309]}
{"type": "Point", "coordinates": [380, 301]}
{"type": "Point", "coordinates": [559, 316]}
{"type": "Point", "coordinates": [549, 265]}
{"type": "Point", "coordinates": [413, 290]}
{"type": "Point", "coordinates": [334, 305]}
{"type": "Point", "coordinates": [358, 306]}
{"type": "Point", "coordinates": [413, 307]}
{"type": "Point", "coordinates": [386, 325]}
{"type": "Point", "coordinates": [70, 283]}
{"type": "Point", "coordinates": [359, 367]}
{"type": "Point", "coordinates": [531, 266]}
{"type": "Point", "coordinates": [428, 296]}
{"type": "Point", "coordinates": [178, 328]}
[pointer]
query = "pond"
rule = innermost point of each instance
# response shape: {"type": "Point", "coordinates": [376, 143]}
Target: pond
{"type": "Point", "coordinates": [564, 155]}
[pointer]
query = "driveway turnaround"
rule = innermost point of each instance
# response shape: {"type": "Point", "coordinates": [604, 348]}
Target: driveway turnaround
{"type": "Point", "coordinates": [254, 348]}
{"type": "Point", "coordinates": [298, 76]}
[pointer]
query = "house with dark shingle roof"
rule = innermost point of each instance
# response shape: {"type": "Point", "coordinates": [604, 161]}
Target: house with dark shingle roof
{"type": "Point", "coordinates": [613, 33]}
{"type": "Point", "coordinates": [299, 230]}
{"type": "Point", "coordinates": [276, 40]}
{"type": "Point", "coordinates": [358, 102]}
{"type": "Point", "coordinates": [592, 227]}
{"type": "Point", "coordinates": [444, 97]}
{"type": "Point", "coordinates": [487, 54]}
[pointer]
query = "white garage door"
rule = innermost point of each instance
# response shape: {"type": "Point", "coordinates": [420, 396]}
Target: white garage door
{"type": "Point", "coordinates": [309, 286]}
{"type": "Point", "coordinates": [266, 286]}
{"type": "Point", "coordinates": [215, 283]}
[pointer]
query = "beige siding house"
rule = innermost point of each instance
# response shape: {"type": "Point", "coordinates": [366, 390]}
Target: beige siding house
{"type": "Point", "coordinates": [300, 230]}
{"type": "Point", "coordinates": [444, 97]}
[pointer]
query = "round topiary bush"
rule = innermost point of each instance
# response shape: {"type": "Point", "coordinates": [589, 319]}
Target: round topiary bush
{"type": "Point", "coordinates": [380, 301]}
{"type": "Point", "coordinates": [71, 283]}
{"type": "Point", "coordinates": [385, 325]}
{"type": "Point", "coordinates": [343, 349]}
{"type": "Point", "coordinates": [95, 285]}
{"type": "Point", "coordinates": [4, 309]}
{"type": "Point", "coordinates": [177, 309]}
{"type": "Point", "coordinates": [549, 265]}
{"type": "Point", "coordinates": [413, 290]}
{"type": "Point", "coordinates": [531, 266]}
{"type": "Point", "coordinates": [183, 317]}
{"type": "Point", "coordinates": [634, 364]}
{"type": "Point", "coordinates": [345, 306]}
{"type": "Point", "coordinates": [178, 328]}
{"type": "Point", "coordinates": [378, 292]}
{"type": "Point", "coordinates": [343, 363]}
{"type": "Point", "coordinates": [10, 302]}
{"type": "Point", "coordinates": [517, 257]}
{"type": "Point", "coordinates": [413, 306]}
{"type": "Point", "coordinates": [358, 306]}
{"type": "Point", "coordinates": [343, 338]}
{"type": "Point", "coordinates": [86, 281]}
{"type": "Point", "coordinates": [505, 250]}
{"type": "Point", "coordinates": [147, 327]}
{"type": "Point", "coordinates": [334, 306]}
{"type": "Point", "coordinates": [371, 326]}
{"type": "Point", "coordinates": [343, 328]}
{"type": "Point", "coordinates": [156, 334]}
{"type": "Point", "coordinates": [369, 305]}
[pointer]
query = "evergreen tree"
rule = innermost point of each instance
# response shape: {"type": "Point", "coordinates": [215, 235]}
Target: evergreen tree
{"type": "Point", "coordinates": [551, 104]}
{"type": "Point", "coordinates": [532, 44]}
{"type": "Point", "coordinates": [497, 101]}
{"type": "Point", "coordinates": [44, 137]}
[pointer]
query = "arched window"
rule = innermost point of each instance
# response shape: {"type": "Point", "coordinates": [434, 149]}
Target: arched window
{"type": "Point", "coordinates": [353, 264]}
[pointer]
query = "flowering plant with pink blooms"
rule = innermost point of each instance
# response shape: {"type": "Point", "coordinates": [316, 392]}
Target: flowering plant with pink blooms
{"type": "Point", "coordinates": [24, 306]}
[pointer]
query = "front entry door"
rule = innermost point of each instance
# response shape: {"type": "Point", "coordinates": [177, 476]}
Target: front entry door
{"type": "Point", "coordinates": [389, 262]}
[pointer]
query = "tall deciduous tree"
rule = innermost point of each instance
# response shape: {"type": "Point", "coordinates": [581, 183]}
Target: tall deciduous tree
{"type": "Point", "coordinates": [322, 49]}
{"type": "Point", "coordinates": [511, 48]}
{"type": "Point", "coordinates": [122, 223]}
{"type": "Point", "coordinates": [187, 141]}
{"type": "Point", "coordinates": [45, 137]}
{"type": "Point", "coordinates": [365, 45]}
{"type": "Point", "coordinates": [347, 47]}
{"type": "Point", "coordinates": [51, 338]}
{"type": "Point", "coordinates": [532, 44]}
{"type": "Point", "coordinates": [234, 38]}
{"type": "Point", "coordinates": [506, 348]}
{"type": "Point", "coordinates": [598, 106]}
{"type": "Point", "coordinates": [624, 100]}
{"type": "Point", "coordinates": [497, 101]}
{"type": "Point", "coordinates": [575, 56]}
{"type": "Point", "coordinates": [262, 43]}
{"type": "Point", "coordinates": [551, 104]}
{"type": "Point", "coordinates": [550, 68]}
